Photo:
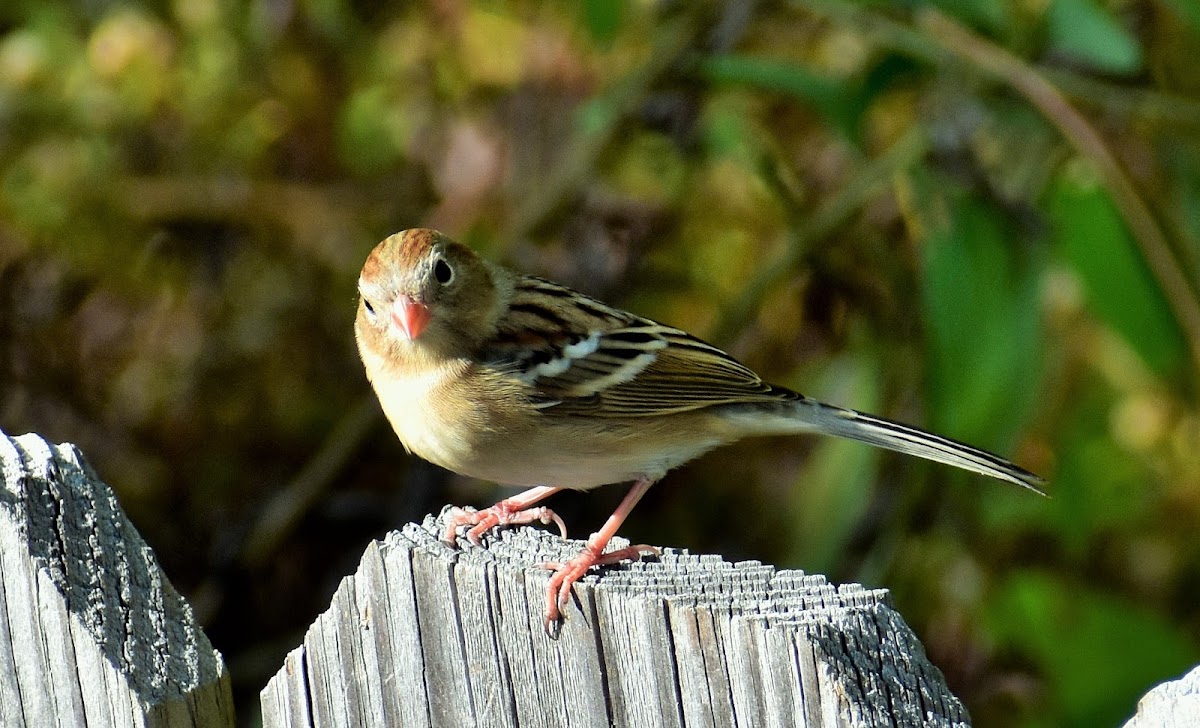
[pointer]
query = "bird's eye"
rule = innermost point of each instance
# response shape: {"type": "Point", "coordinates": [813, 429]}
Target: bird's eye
{"type": "Point", "coordinates": [442, 271]}
{"type": "Point", "coordinates": [370, 309]}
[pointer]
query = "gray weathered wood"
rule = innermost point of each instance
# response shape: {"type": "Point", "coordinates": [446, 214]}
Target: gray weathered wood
{"type": "Point", "coordinates": [1173, 704]}
{"type": "Point", "coordinates": [428, 635]}
{"type": "Point", "coordinates": [91, 632]}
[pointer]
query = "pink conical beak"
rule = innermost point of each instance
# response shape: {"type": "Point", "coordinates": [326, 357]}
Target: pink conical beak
{"type": "Point", "coordinates": [411, 317]}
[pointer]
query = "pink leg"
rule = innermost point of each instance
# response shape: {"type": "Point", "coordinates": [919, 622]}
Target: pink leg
{"type": "Point", "coordinates": [514, 511]}
{"type": "Point", "coordinates": [566, 574]}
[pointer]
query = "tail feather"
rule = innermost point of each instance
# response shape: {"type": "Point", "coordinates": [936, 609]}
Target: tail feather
{"type": "Point", "coordinates": [809, 415]}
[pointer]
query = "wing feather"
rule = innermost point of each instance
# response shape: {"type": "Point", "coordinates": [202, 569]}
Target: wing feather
{"type": "Point", "coordinates": [580, 356]}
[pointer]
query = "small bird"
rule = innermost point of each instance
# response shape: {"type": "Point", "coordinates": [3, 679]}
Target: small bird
{"type": "Point", "coordinates": [518, 380]}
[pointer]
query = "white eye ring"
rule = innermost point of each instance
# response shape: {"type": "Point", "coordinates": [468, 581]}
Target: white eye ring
{"type": "Point", "coordinates": [370, 309]}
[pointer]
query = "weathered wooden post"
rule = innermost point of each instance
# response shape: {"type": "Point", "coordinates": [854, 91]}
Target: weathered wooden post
{"type": "Point", "coordinates": [91, 632]}
{"type": "Point", "coordinates": [427, 635]}
{"type": "Point", "coordinates": [1172, 704]}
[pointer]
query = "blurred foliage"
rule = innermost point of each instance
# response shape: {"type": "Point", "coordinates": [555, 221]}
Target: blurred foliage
{"type": "Point", "coordinates": [862, 201]}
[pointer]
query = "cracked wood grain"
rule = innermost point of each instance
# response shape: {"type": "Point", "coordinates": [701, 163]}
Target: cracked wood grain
{"type": "Point", "coordinates": [456, 639]}
{"type": "Point", "coordinates": [91, 631]}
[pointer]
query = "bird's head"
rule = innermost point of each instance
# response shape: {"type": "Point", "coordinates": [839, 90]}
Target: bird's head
{"type": "Point", "coordinates": [420, 288]}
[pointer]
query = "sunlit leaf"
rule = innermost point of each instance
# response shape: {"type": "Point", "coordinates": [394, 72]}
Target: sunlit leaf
{"type": "Point", "coordinates": [1084, 30]}
{"type": "Point", "coordinates": [1090, 234]}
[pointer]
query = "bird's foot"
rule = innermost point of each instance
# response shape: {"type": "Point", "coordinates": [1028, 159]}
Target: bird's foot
{"type": "Point", "coordinates": [501, 514]}
{"type": "Point", "coordinates": [566, 573]}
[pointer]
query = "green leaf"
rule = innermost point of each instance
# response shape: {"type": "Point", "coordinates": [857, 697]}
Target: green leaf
{"type": "Point", "coordinates": [603, 19]}
{"type": "Point", "coordinates": [979, 293]}
{"type": "Point", "coordinates": [1086, 31]}
{"type": "Point", "coordinates": [730, 130]}
{"type": "Point", "coordinates": [1120, 289]}
{"type": "Point", "coordinates": [1097, 489]}
{"type": "Point", "coordinates": [833, 490]}
{"type": "Point", "coordinates": [371, 136]}
{"type": "Point", "coordinates": [1099, 652]}
{"type": "Point", "coordinates": [1184, 168]}
{"type": "Point", "coordinates": [594, 116]}
{"type": "Point", "coordinates": [986, 14]}
{"type": "Point", "coordinates": [1187, 10]}
{"type": "Point", "coordinates": [836, 100]}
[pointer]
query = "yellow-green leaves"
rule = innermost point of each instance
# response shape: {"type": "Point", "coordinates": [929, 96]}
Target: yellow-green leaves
{"type": "Point", "coordinates": [1090, 235]}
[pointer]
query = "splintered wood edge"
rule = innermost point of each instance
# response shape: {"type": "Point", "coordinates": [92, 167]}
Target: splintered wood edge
{"type": "Point", "coordinates": [91, 631]}
{"type": "Point", "coordinates": [426, 634]}
{"type": "Point", "coordinates": [1172, 703]}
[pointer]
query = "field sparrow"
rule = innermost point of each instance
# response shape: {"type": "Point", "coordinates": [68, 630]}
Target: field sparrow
{"type": "Point", "coordinates": [514, 379]}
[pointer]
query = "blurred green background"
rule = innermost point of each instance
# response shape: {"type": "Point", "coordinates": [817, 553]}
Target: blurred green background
{"type": "Point", "coordinates": [981, 217]}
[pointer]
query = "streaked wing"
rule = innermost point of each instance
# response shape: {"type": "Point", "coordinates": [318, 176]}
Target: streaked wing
{"type": "Point", "coordinates": [583, 357]}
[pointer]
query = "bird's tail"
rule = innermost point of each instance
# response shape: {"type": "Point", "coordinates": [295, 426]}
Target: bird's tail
{"type": "Point", "coordinates": [809, 415]}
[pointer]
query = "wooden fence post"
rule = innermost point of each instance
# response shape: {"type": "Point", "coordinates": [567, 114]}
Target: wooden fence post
{"type": "Point", "coordinates": [1172, 704]}
{"type": "Point", "coordinates": [427, 635]}
{"type": "Point", "coordinates": [91, 632]}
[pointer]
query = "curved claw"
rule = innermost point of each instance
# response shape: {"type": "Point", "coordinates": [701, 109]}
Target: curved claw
{"type": "Point", "coordinates": [498, 515]}
{"type": "Point", "coordinates": [548, 516]}
{"type": "Point", "coordinates": [566, 573]}
{"type": "Point", "coordinates": [456, 517]}
{"type": "Point", "coordinates": [487, 521]}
